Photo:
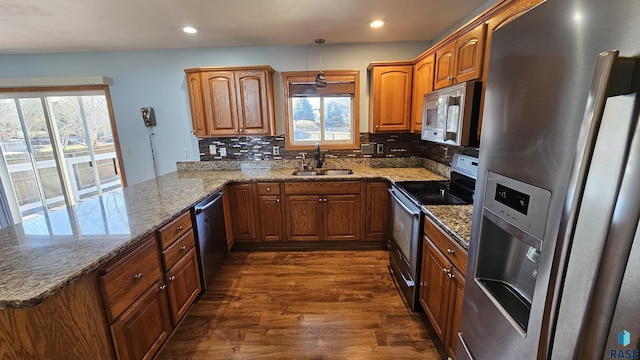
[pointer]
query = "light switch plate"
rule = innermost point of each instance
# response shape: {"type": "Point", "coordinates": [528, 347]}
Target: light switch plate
{"type": "Point", "coordinates": [379, 148]}
{"type": "Point", "coordinates": [223, 152]}
{"type": "Point", "coordinates": [367, 149]}
{"type": "Point", "coordinates": [212, 149]}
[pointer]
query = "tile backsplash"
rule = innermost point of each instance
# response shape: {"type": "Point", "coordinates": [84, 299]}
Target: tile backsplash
{"type": "Point", "coordinates": [395, 145]}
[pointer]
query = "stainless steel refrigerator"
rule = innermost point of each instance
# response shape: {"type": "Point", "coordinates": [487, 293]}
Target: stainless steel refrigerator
{"type": "Point", "coordinates": [554, 257]}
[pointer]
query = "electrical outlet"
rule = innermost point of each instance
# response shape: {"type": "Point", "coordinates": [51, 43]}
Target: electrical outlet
{"type": "Point", "coordinates": [379, 148]}
{"type": "Point", "coordinates": [212, 149]}
{"type": "Point", "coordinates": [223, 152]}
{"type": "Point", "coordinates": [187, 153]}
{"type": "Point", "coordinates": [276, 150]}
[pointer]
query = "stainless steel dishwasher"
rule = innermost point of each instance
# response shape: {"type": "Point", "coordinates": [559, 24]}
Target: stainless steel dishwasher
{"type": "Point", "coordinates": [211, 236]}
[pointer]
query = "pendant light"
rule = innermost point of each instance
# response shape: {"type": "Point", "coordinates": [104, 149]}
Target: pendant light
{"type": "Point", "coordinates": [321, 82]}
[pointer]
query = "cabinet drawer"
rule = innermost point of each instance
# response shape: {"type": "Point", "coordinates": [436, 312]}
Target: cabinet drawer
{"type": "Point", "coordinates": [126, 278]}
{"type": "Point", "coordinates": [449, 247]}
{"type": "Point", "coordinates": [322, 187]}
{"type": "Point", "coordinates": [175, 251]}
{"type": "Point", "coordinates": [173, 230]}
{"type": "Point", "coordinates": [268, 188]}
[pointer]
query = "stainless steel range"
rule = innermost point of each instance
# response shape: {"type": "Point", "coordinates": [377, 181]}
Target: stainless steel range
{"type": "Point", "coordinates": [406, 219]}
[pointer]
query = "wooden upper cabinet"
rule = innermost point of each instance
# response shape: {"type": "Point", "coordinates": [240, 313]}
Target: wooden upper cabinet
{"type": "Point", "coordinates": [255, 105]}
{"type": "Point", "coordinates": [196, 103]}
{"type": "Point", "coordinates": [461, 59]}
{"type": "Point", "coordinates": [219, 93]}
{"type": "Point", "coordinates": [390, 96]}
{"type": "Point", "coordinates": [231, 101]}
{"type": "Point", "coordinates": [423, 72]}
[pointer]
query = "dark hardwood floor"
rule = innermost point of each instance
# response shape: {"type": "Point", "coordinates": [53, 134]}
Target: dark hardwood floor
{"type": "Point", "coordinates": [303, 305]}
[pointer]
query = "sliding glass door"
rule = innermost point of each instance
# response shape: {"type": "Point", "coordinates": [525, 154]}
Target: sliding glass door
{"type": "Point", "coordinates": [58, 148]}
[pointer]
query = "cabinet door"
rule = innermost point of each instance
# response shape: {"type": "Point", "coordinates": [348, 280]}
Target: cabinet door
{"type": "Point", "coordinates": [253, 102]}
{"type": "Point", "coordinates": [143, 328]}
{"type": "Point", "coordinates": [391, 98]}
{"type": "Point", "coordinates": [445, 66]}
{"type": "Point", "coordinates": [342, 217]}
{"type": "Point", "coordinates": [376, 221]}
{"type": "Point", "coordinates": [455, 311]}
{"type": "Point", "coordinates": [219, 96]}
{"type": "Point", "coordinates": [304, 217]}
{"type": "Point", "coordinates": [270, 217]}
{"type": "Point", "coordinates": [422, 84]}
{"type": "Point", "coordinates": [194, 86]}
{"type": "Point", "coordinates": [469, 54]}
{"type": "Point", "coordinates": [434, 287]}
{"type": "Point", "coordinates": [183, 285]}
{"type": "Point", "coordinates": [241, 204]}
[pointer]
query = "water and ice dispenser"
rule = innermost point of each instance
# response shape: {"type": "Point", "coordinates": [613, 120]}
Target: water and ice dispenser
{"type": "Point", "coordinates": [511, 232]}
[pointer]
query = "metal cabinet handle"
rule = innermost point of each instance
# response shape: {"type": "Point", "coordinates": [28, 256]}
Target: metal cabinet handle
{"type": "Point", "coordinates": [325, 199]}
{"type": "Point", "coordinates": [138, 276]}
{"type": "Point", "coordinates": [450, 252]}
{"type": "Point", "coordinates": [241, 129]}
{"type": "Point", "coordinates": [377, 126]}
{"type": "Point", "coordinates": [278, 200]}
{"type": "Point", "coordinates": [268, 189]}
{"type": "Point", "coordinates": [163, 287]}
{"type": "Point", "coordinates": [183, 248]}
{"type": "Point", "coordinates": [172, 278]}
{"type": "Point", "coordinates": [320, 199]}
{"type": "Point", "coordinates": [179, 228]}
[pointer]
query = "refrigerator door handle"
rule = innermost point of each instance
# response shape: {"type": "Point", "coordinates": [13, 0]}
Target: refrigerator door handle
{"type": "Point", "coordinates": [613, 76]}
{"type": "Point", "coordinates": [613, 264]}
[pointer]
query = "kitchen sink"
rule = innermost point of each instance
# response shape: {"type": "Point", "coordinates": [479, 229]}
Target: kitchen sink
{"type": "Point", "coordinates": [320, 172]}
{"type": "Point", "coordinates": [331, 172]}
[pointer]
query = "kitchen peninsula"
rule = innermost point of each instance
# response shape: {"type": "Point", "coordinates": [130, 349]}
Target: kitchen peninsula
{"type": "Point", "coordinates": [50, 293]}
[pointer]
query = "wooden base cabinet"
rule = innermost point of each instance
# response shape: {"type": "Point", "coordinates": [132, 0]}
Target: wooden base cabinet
{"type": "Point", "coordinates": [180, 263]}
{"type": "Point", "coordinates": [323, 210]}
{"type": "Point", "coordinates": [269, 211]}
{"type": "Point", "coordinates": [136, 303]}
{"type": "Point", "coordinates": [243, 218]}
{"type": "Point", "coordinates": [144, 327]}
{"type": "Point", "coordinates": [442, 283]}
{"type": "Point", "coordinates": [377, 208]}
{"type": "Point", "coordinates": [183, 285]}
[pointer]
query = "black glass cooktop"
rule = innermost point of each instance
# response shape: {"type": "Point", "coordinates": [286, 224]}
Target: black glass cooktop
{"type": "Point", "coordinates": [433, 193]}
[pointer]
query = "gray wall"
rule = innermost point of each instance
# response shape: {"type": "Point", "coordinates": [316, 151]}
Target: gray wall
{"type": "Point", "coordinates": [157, 79]}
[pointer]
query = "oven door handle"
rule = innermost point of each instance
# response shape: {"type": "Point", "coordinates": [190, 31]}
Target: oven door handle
{"type": "Point", "coordinates": [402, 203]}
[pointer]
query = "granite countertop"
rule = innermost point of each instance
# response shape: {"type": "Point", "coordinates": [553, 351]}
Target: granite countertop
{"type": "Point", "coordinates": [44, 254]}
{"type": "Point", "coordinates": [455, 220]}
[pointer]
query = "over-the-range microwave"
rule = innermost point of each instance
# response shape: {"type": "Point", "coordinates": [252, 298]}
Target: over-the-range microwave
{"type": "Point", "coordinates": [450, 115]}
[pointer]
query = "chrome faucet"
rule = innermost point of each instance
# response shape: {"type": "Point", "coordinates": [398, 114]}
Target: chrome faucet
{"type": "Point", "coordinates": [318, 157]}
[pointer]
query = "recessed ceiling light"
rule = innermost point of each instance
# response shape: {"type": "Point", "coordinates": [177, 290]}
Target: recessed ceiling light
{"type": "Point", "coordinates": [376, 23]}
{"type": "Point", "coordinates": [189, 29]}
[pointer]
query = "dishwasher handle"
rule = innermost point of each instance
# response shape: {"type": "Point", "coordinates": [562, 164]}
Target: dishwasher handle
{"type": "Point", "coordinates": [209, 202]}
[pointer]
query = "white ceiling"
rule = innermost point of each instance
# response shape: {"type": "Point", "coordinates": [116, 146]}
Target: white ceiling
{"type": "Point", "coordinates": [37, 26]}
